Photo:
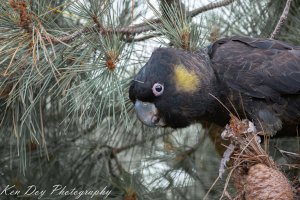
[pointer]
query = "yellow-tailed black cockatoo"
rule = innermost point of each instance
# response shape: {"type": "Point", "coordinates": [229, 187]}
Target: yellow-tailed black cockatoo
{"type": "Point", "coordinates": [254, 78]}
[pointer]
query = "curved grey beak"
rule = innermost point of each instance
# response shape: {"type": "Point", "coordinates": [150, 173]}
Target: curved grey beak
{"type": "Point", "coordinates": [148, 114]}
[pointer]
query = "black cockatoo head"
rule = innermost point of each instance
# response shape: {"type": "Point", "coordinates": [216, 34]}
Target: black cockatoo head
{"type": "Point", "coordinates": [172, 89]}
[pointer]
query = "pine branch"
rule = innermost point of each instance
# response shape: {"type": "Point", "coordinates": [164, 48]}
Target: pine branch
{"type": "Point", "coordinates": [282, 19]}
{"type": "Point", "coordinates": [67, 38]}
{"type": "Point", "coordinates": [138, 28]}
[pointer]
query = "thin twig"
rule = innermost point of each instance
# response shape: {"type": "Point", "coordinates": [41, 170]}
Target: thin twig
{"type": "Point", "coordinates": [210, 6]}
{"type": "Point", "coordinates": [140, 39]}
{"type": "Point", "coordinates": [124, 148]}
{"type": "Point", "coordinates": [282, 19]}
{"type": "Point", "coordinates": [211, 187]}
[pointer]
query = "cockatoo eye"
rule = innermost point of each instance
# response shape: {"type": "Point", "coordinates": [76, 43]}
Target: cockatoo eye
{"type": "Point", "coordinates": [157, 89]}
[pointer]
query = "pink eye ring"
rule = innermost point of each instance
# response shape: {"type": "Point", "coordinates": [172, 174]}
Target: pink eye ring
{"type": "Point", "coordinates": [157, 89]}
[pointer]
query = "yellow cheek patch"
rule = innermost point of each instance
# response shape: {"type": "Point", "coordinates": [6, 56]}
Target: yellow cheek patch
{"type": "Point", "coordinates": [186, 81]}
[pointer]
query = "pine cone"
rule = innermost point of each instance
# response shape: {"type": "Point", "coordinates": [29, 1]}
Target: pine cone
{"type": "Point", "coordinates": [265, 183]}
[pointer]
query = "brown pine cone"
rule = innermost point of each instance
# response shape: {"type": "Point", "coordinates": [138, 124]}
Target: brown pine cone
{"type": "Point", "coordinates": [265, 183]}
